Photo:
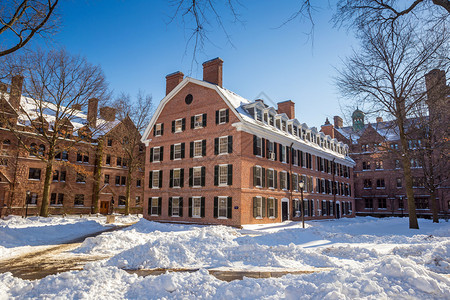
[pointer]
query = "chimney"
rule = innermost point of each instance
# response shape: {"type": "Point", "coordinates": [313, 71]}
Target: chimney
{"type": "Point", "coordinates": [338, 123]}
{"type": "Point", "coordinates": [328, 128]}
{"type": "Point", "coordinates": [16, 91]}
{"type": "Point", "coordinates": [92, 112]}
{"type": "Point", "coordinates": [212, 71]}
{"type": "Point", "coordinates": [172, 80]}
{"type": "Point", "coordinates": [287, 107]}
{"type": "Point", "coordinates": [108, 113]}
{"type": "Point", "coordinates": [379, 119]}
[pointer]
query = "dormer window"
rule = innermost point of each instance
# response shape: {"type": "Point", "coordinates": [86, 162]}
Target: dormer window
{"type": "Point", "coordinates": [266, 118]}
{"type": "Point", "coordinates": [283, 125]}
{"type": "Point", "coordinates": [271, 120]}
{"type": "Point", "coordinates": [295, 130]}
{"type": "Point", "coordinates": [290, 129]}
{"type": "Point", "coordinates": [278, 123]}
{"type": "Point", "coordinates": [258, 115]}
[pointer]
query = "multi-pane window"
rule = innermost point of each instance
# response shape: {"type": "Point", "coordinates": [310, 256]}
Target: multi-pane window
{"type": "Point", "coordinates": [198, 121]}
{"type": "Point", "coordinates": [119, 161]}
{"type": "Point", "coordinates": [156, 154]}
{"type": "Point", "coordinates": [158, 129]}
{"type": "Point", "coordinates": [179, 125]}
{"type": "Point", "coordinates": [271, 207]}
{"type": "Point", "coordinates": [222, 116]}
{"type": "Point", "coordinates": [258, 207]}
{"type": "Point", "coordinates": [138, 183]}
{"type": "Point", "coordinates": [259, 114]}
{"type": "Point", "coordinates": [196, 207]}
{"type": "Point", "coordinates": [198, 150]}
{"type": "Point", "coordinates": [34, 174]}
{"type": "Point", "coordinates": [379, 165]}
{"type": "Point", "coordinates": [197, 176]}
{"type": "Point", "coordinates": [108, 159]}
{"type": "Point", "coordinates": [79, 200]}
{"type": "Point", "coordinates": [368, 202]}
{"type": "Point", "coordinates": [295, 182]}
{"type": "Point", "coordinates": [55, 175]}
{"type": "Point", "coordinates": [79, 157]}
{"type": "Point", "coordinates": [56, 199]}
{"type": "Point", "coordinates": [81, 178]}
{"type": "Point", "coordinates": [397, 164]}
{"type": "Point", "coordinates": [283, 180]}
{"type": "Point", "coordinates": [270, 148]}
{"type": "Point", "coordinates": [418, 182]}
{"type": "Point", "coordinates": [380, 183]}
{"type": "Point", "coordinates": [421, 202]}
{"type": "Point", "coordinates": [258, 146]}
{"type": "Point", "coordinates": [117, 180]}
{"type": "Point", "coordinates": [109, 142]}
{"type": "Point", "coordinates": [382, 203]}
{"type": "Point", "coordinates": [366, 165]}
{"type": "Point", "coordinates": [223, 174]}
{"type": "Point", "coordinates": [155, 179]}
{"type": "Point", "coordinates": [283, 153]}
{"type": "Point", "coordinates": [258, 176]}
{"type": "Point", "coordinates": [415, 163]}
{"type": "Point", "coordinates": [367, 183]}
{"type": "Point", "coordinates": [106, 181]}
{"type": "Point", "coordinates": [32, 198]}
{"type": "Point", "coordinates": [176, 178]}
{"type": "Point", "coordinates": [283, 125]}
{"type": "Point", "coordinates": [223, 145]}
{"type": "Point", "coordinates": [137, 201]}
{"type": "Point", "coordinates": [175, 206]}
{"type": "Point", "coordinates": [222, 207]}
{"type": "Point", "coordinates": [122, 200]}
{"type": "Point", "coordinates": [270, 178]}
{"type": "Point", "coordinates": [399, 182]}
{"type": "Point", "coordinates": [177, 151]}
{"type": "Point", "coordinates": [154, 207]}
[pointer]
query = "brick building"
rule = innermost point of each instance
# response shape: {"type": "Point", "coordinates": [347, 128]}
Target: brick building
{"type": "Point", "coordinates": [378, 174]}
{"type": "Point", "coordinates": [215, 157]}
{"type": "Point", "coordinates": [75, 186]}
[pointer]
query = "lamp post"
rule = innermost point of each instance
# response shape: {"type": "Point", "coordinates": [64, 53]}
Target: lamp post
{"type": "Point", "coordinates": [401, 201]}
{"type": "Point", "coordinates": [301, 185]}
{"type": "Point", "coordinates": [27, 200]}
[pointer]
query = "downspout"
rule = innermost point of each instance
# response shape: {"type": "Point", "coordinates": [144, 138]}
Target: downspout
{"type": "Point", "coordinates": [333, 167]}
{"type": "Point", "coordinates": [290, 178]}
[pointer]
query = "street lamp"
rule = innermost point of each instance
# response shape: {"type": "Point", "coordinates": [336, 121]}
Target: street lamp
{"type": "Point", "coordinates": [301, 185]}
{"type": "Point", "coordinates": [27, 199]}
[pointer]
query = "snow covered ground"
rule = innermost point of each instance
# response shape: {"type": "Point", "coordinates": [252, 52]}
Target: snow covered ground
{"type": "Point", "coordinates": [368, 258]}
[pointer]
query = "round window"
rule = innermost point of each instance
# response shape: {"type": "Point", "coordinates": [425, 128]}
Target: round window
{"type": "Point", "coordinates": [188, 99]}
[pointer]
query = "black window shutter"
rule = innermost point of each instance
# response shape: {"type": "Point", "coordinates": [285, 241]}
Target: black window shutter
{"type": "Point", "coordinates": [192, 122]}
{"type": "Point", "coordinates": [151, 154]}
{"type": "Point", "coordinates": [216, 175]}
{"type": "Point", "coordinates": [160, 178]}
{"type": "Point", "coordinates": [202, 209]}
{"type": "Point", "coordinates": [288, 154]}
{"type": "Point", "coordinates": [275, 149]}
{"type": "Point", "coordinates": [227, 114]}
{"type": "Point", "coordinates": [288, 181]}
{"type": "Point", "coordinates": [204, 148]}
{"type": "Point", "coordinates": [216, 146]}
{"type": "Point", "coordinates": [149, 206]}
{"type": "Point", "coordinates": [161, 153]}
{"type": "Point", "coordinates": [293, 154]}
{"type": "Point", "coordinates": [255, 208]}
{"type": "Point", "coordinates": [281, 151]}
{"type": "Point", "coordinates": [154, 130]}
{"type": "Point", "coordinates": [229, 207]}
{"type": "Point", "coordinates": [263, 177]}
{"type": "Point", "coordinates": [173, 126]}
{"type": "Point", "coordinates": [267, 149]}
{"type": "Point", "coordinates": [255, 149]}
{"type": "Point", "coordinates": [275, 179]}
{"type": "Point", "coordinates": [216, 204]}
{"type": "Point", "coordinates": [263, 207]}
{"type": "Point", "coordinates": [254, 176]}
{"type": "Point", "coordinates": [182, 150]}
{"type": "Point", "coordinates": [230, 175]}
{"type": "Point", "coordinates": [159, 205]}
{"type": "Point", "coordinates": [263, 147]}
{"type": "Point", "coordinates": [150, 178]}
{"type": "Point", "coordinates": [204, 120]}
{"type": "Point", "coordinates": [217, 117]}
{"type": "Point", "coordinates": [181, 177]}
{"type": "Point", "coordinates": [191, 149]}
{"type": "Point", "coordinates": [183, 124]}
{"type": "Point", "coordinates": [171, 179]}
{"type": "Point", "coordinates": [276, 207]}
{"type": "Point", "coordinates": [171, 152]}
{"type": "Point", "coordinates": [190, 207]}
{"type": "Point", "coordinates": [230, 144]}
{"type": "Point", "coordinates": [162, 128]}
{"type": "Point", "coordinates": [203, 175]}
{"type": "Point", "coordinates": [191, 174]}
{"type": "Point", "coordinates": [180, 213]}
{"type": "Point", "coordinates": [170, 206]}
{"type": "Point", "coordinates": [300, 158]}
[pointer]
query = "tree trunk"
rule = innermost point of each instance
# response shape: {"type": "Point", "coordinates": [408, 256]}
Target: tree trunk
{"type": "Point", "coordinates": [434, 206]}
{"type": "Point", "coordinates": [47, 182]}
{"type": "Point", "coordinates": [128, 192]}
{"type": "Point", "coordinates": [97, 176]}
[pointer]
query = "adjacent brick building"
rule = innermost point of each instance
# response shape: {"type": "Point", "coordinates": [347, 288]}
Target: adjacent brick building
{"type": "Point", "coordinates": [378, 174]}
{"type": "Point", "coordinates": [74, 187]}
{"type": "Point", "coordinates": [215, 157]}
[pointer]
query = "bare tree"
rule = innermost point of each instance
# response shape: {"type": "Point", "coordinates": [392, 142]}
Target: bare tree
{"type": "Point", "coordinates": [135, 116]}
{"type": "Point", "coordinates": [58, 86]}
{"type": "Point", "coordinates": [387, 75]}
{"type": "Point", "coordinates": [21, 20]}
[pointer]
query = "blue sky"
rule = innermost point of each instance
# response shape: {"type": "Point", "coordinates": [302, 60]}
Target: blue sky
{"type": "Point", "coordinates": [136, 46]}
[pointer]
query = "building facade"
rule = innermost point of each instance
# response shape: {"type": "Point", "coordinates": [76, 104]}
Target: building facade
{"type": "Point", "coordinates": [87, 169]}
{"type": "Point", "coordinates": [214, 157]}
{"type": "Point", "coordinates": [378, 174]}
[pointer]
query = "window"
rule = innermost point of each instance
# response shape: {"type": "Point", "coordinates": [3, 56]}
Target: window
{"type": "Point", "coordinates": [198, 148]}
{"type": "Point", "coordinates": [119, 161]}
{"type": "Point", "coordinates": [41, 150]}
{"type": "Point", "coordinates": [367, 183]}
{"type": "Point", "coordinates": [86, 159]}
{"type": "Point", "coordinates": [270, 178]}
{"type": "Point", "coordinates": [283, 180]}
{"type": "Point", "coordinates": [258, 207]}
{"type": "Point", "coordinates": [55, 175]}
{"type": "Point", "coordinates": [366, 165]}
{"type": "Point", "coordinates": [106, 181]}
{"type": "Point", "coordinates": [257, 146]}
{"type": "Point", "coordinates": [421, 203]}
{"type": "Point", "coordinates": [6, 144]}
{"type": "Point", "coordinates": [397, 164]}
{"type": "Point", "coordinates": [223, 145]}
{"type": "Point", "coordinates": [270, 150]}
{"type": "Point", "coordinates": [123, 180]}
{"type": "Point", "coordinates": [222, 207]}
{"type": "Point", "coordinates": [258, 115]}
{"type": "Point", "coordinates": [65, 155]}
{"type": "Point", "coordinates": [196, 207]}
{"type": "Point", "coordinates": [108, 159]}
{"type": "Point", "coordinates": [34, 174]}
{"type": "Point", "coordinates": [197, 176]}
{"type": "Point", "coordinates": [223, 175]}
{"type": "Point", "coordinates": [418, 182]}
{"type": "Point", "coordinates": [382, 203]}
{"type": "Point", "coordinates": [175, 207]}
{"type": "Point", "coordinates": [399, 182]}
{"type": "Point", "coordinates": [138, 201]}
{"type": "Point", "coordinates": [158, 130]}
{"type": "Point", "coordinates": [32, 198]}
{"type": "Point", "coordinates": [117, 180]}
{"type": "Point", "coordinates": [222, 116]}
{"type": "Point", "coordinates": [283, 125]}
{"type": "Point", "coordinates": [380, 183]}
{"type": "Point", "coordinates": [295, 182]}
{"type": "Point", "coordinates": [198, 121]}
{"type": "Point", "coordinates": [81, 178]}
{"type": "Point", "coordinates": [176, 179]}
{"type": "Point", "coordinates": [178, 125]}
{"type": "Point", "coordinates": [122, 200]}
{"type": "Point", "coordinates": [109, 143]}
{"type": "Point", "coordinates": [282, 153]}
{"type": "Point", "coordinates": [3, 161]}
{"type": "Point", "coordinates": [379, 165]}
{"type": "Point", "coordinates": [154, 207]}
{"type": "Point", "coordinates": [394, 146]}
{"type": "Point", "coordinates": [155, 179]}
{"type": "Point", "coordinates": [271, 120]}
{"type": "Point", "coordinates": [79, 200]}
{"type": "Point", "coordinates": [177, 151]}
{"type": "Point", "coordinates": [138, 183]}
{"type": "Point", "coordinates": [56, 199]}
{"type": "Point", "coordinates": [62, 176]}
{"type": "Point", "coordinates": [368, 202]}
{"type": "Point", "coordinates": [33, 149]}
{"type": "Point", "coordinates": [79, 157]}
{"type": "Point", "coordinates": [271, 207]}
{"type": "Point", "coordinates": [258, 176]}
{"type": "Point", "coordinates": [415, 163]}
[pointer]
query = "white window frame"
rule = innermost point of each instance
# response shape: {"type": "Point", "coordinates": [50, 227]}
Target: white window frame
{"type": "Point", "coordinates": [222, 200]}
{"type": "Point", "coordinates": [283, 180]}
{"type": "Point", "coordinates": [258, 177]}
{"type": "Point", "coordinates": [259, 209]}
{"type": "Point", "coordinates": [196, 143]}
{"type": "Point", "coordinates": [179, 125]}
{"type": "Point", "coordinates": [176, 209]}
{"type": "Point", "coordinates": [155, 172]}
{"type": "Point", "coordinates": [221, 139]}
{"type": "Point", "coordinates": [283, 153]}
{"type": "Point", "coordinates": [270, 214]}
{"type": "Point", "coordinates": [175, 151]}
{"type": "Point", "coordinates": [154, 154]}
{"type": "Point", "coordinates": [268, 171]}
{"type": "Point", "coordinates": [179, 178]}
{"type": "Point", "coordinates": [259, 146]}
{"type": "Point", "coordinates": [158, 129]}
{"type": "Point", "coordinates": [196, 206]}
{"type": "Point", "coordinates": [152, 206]}
{"type": "Point", "coordinates": [259, 112]}
{"type": "Point", "coordinates": [222, 115]}
{"type": "Point", "coordinates": [198, 124]}
{"type": "Point", "coordinates": [197, 169]}
{"type": "Point", "coordinates": [221, 179]}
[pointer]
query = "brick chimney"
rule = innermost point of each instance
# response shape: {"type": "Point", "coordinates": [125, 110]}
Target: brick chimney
{"type": "Point", "coordinates": [287, 107]}
{"type": "Point", "coordinates": [92, 112]}
{"type": "Point", "coordinates": [172, 80]}
{"type": "Point", "coordinates": [16, 91]}
{"type": "Point", "coordinates": [379, 119]}
{"type": "Point", "coordinates": [338, 123]}
{"type": "Point", "coordinates": [328, 128]}
{"type": "Point", "coordinates": [108, 113]}
{"type": "Point", "coordinates": [212, 71]}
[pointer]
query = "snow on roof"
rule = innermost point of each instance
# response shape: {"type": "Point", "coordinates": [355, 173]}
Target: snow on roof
{"type": "Point", "coordinates": [386, 129]}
